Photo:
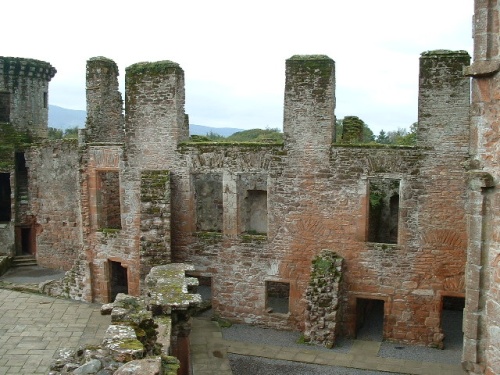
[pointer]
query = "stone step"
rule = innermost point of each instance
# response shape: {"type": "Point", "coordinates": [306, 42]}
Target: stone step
{"type": "Point", "coordinates": [24, 261]}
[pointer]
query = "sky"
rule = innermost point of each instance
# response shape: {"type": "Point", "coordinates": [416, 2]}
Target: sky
{"type": "Point", "coordinates": [233, 52]}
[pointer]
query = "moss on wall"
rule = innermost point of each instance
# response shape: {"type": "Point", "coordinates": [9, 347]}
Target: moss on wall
{"type": "Point", "coordinates": [11, 140]}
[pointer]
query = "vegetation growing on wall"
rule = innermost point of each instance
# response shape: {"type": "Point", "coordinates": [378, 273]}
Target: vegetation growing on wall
{"type": "Point", "coordinates": [71, 133]}
{"type": "Point", "coordinates": [10, 141]}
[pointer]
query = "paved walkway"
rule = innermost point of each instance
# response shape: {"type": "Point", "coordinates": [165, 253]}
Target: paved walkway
{"type": "Point", "coordinates": [33, 327]}
{"type": "Point", "coordinates": [209, 355]}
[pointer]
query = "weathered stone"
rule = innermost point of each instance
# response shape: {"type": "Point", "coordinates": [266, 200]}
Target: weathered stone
{"type": "Point", "coordinates": [91, 367]}
{"type": "Point", "coordinates": [147, 366]}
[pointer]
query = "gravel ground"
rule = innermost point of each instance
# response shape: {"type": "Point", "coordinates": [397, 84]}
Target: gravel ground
{"type": "Point", "coordinates": [245, 365]}
{"type": "Point", "coordinates": [372, 330]}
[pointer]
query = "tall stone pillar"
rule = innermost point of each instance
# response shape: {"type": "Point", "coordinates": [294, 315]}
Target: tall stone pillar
{"type": "Point", "coordinates": [155, 118]}
{"type": "Point", "coordinates": [309, 117]}
{"type": "Point", "coordinates": [482, 310]}
{"type": "Point", "coordinates": [444, 97]}
{"type": "Point", "coordinates": [104, 102]}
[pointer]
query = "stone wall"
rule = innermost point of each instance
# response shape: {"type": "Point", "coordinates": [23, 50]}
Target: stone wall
{"type": "Point", "coordinates": [482, 309]}
{"type": "Point", "coordinates": [53, 169]}
{"type": "Point", "coordinates": [251, 216]}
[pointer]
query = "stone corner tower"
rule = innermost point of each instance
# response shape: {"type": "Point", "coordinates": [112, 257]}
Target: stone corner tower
{"type": "Point", "coordinates": [24, 94]}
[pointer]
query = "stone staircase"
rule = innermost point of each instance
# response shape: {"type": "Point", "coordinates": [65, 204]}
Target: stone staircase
{"type": "Point", "coordinates": [24, 261]}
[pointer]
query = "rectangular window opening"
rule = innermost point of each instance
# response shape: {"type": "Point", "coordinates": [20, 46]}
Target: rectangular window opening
{"type": "Point", "coordinates": [45, 100]}
{"type": "Point", "coordinates": [383, 212]}
{"type": "Point", "coordinates": [256, 212]}
{"type": "Point", "coordinates": [5, 197]}
{"type": "Point", "coordinates": [277, 297]}
{"type": "Point", "coordinates": [108, 200]}
{"type": "Point", "coordinates": [4, 107]}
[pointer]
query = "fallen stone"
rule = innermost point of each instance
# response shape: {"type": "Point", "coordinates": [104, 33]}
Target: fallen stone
{"type": "Point", "coordinates": [148, 366]}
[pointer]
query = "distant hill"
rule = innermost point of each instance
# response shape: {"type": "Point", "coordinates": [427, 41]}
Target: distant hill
{"type": "Point", "coordinates": [64, 118]}
{"type": "Point", "coordinates": [204, 130]}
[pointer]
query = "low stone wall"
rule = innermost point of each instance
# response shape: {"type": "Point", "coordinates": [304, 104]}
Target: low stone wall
{"type": "Point", "coordinates": [5, 262]}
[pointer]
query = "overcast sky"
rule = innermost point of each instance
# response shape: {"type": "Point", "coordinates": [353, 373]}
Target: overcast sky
{"type": "Point", "coordinates": [233, 52]}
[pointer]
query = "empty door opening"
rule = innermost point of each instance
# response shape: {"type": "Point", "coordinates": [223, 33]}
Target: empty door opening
{"type": "Point", "coordinates": [25, 240]}
{"type": "Point", "coordinates": [369, 319]}
{"type": "Point", "coordinates": [452, 314]}
{"type": "Point", "coordinates": [118, 279]}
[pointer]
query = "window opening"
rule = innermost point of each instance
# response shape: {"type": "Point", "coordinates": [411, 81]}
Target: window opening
{"type": "Point", "coordinates": [209, 208]}
{"type": "Point", "coordinates": [108, 200]}
{"type": "Point", "coordinates": [256, 211]}
{"type": "Point", "coordinates": [277, 297]}
{"type": "Point", "coordinates": [5, 197]}
{"type": "Point", "coordinates": [4, 107]}
{"type": "Point", "coordinates": [45, 100]}
{"type": "Point", "coordinates": [383, 212]}
{"type": "Point", "coordinates": [22, 194]}
{"type": "Point", "coordinates": [369, 319]}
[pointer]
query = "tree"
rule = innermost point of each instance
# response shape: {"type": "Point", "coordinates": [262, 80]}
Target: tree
{"type": "Point", "coordinates": [383, 138]}
{"type": "Point", "coordinates": [403, 137]}
{"type": "Point", "coordinates": [55, 133]}
{"type": "Point", "coordinates": [71, 133]}
{"type": "Point", "coordinates": [367, 135]}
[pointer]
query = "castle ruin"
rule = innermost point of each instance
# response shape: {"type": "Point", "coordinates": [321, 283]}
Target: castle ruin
{"type": "Point", "coordinates": [309, 235]}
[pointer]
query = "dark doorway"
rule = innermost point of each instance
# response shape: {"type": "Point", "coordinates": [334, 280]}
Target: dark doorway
{"type": "Point", "coordinates": [118, 279]}
{"type": "Point", "coordinates": [369, 319]}
{"type": "Point", "coordinates": [452, 314]}
{"type": "Point", "coordinates": [25, 240]}
{"type": "Point", "coordinates": [5, 194]}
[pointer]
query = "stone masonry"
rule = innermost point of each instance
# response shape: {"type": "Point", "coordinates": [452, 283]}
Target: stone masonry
{"type": "Point", "coordinates": [414, 225]}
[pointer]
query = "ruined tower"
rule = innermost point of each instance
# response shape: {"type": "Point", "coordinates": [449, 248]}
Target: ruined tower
{"type": "Point", "coordinates": [24, 87]}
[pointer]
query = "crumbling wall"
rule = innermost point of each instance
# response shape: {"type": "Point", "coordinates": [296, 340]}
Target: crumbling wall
{"type": "Point", "coordinates": [145, 331]}
{"type": "Point", "coordinates": [155, 220]}
{"type": "Point", "coordinates": [323, 299]}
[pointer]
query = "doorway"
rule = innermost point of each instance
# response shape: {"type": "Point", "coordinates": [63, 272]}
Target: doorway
{"type": "Point", "coordinates": [452, 314]}
{"type": "Point", "coordinates": [369, 319]}
{"type": "Point", "coordinates": [118, 279]}
{"type": "Point", "coordinates": [25, 240]}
